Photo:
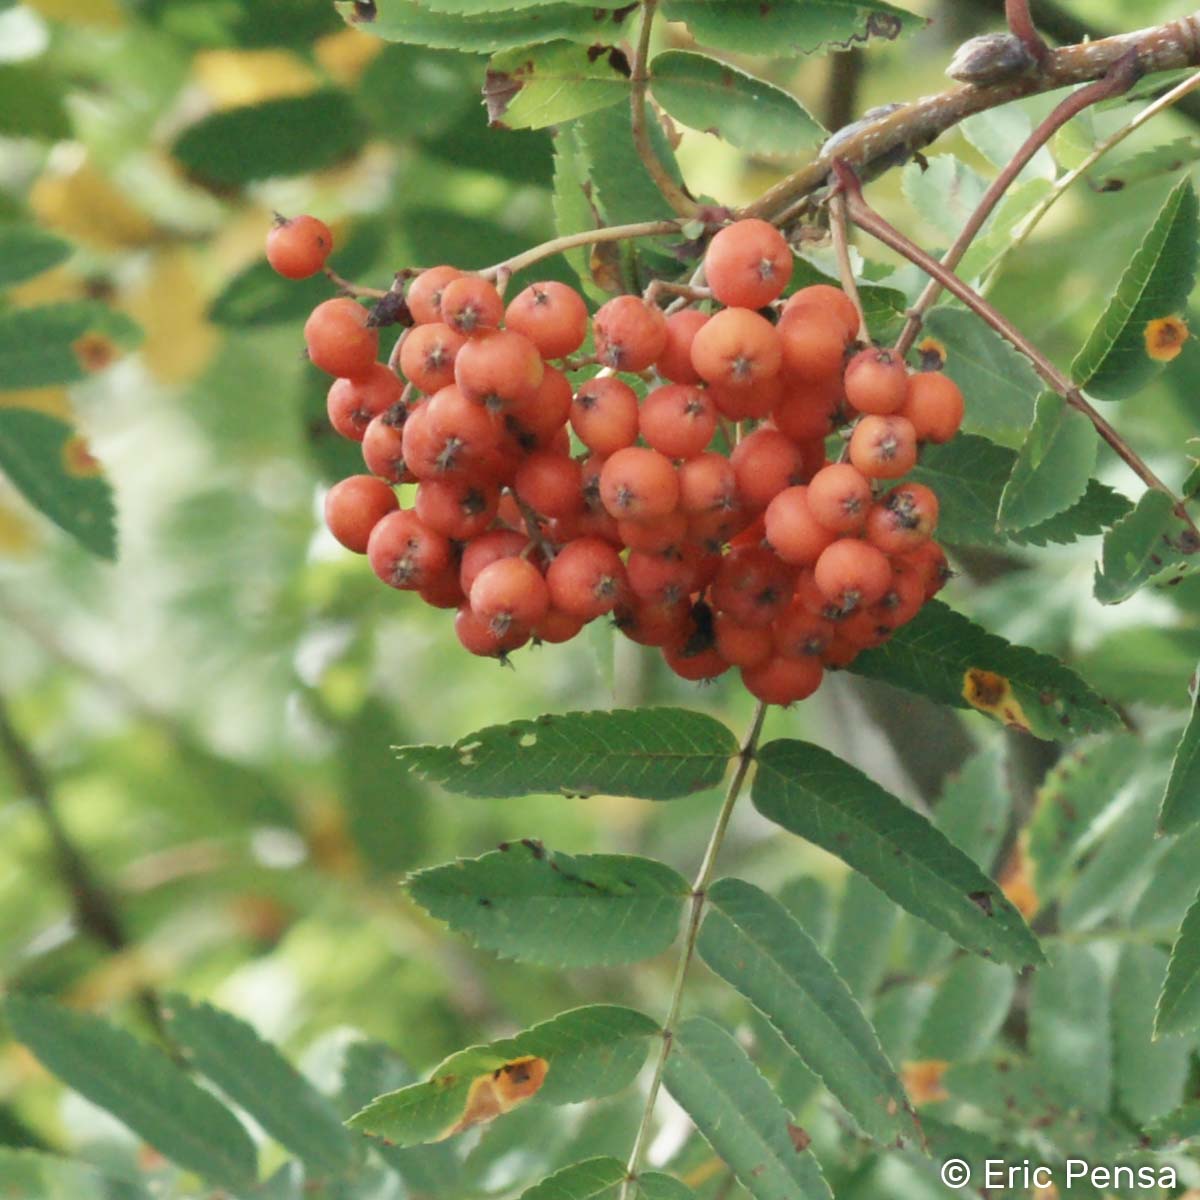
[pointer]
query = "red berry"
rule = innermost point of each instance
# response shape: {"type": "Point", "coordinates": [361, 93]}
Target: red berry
{"type": "Point", "coordinates": [639, 484]}
{"type": "Point", "coordinates": [822, 300]}
{"type": "Point", "coordinates": [747, 403]}
{"type": "Point", "coordinates": [353, 403]}
{"type": "Point", "coordinates": [459, 509]}
{"type": "Point", "coordinates": [425, 293]}
{"type": "Point", "coordinates": [557, 627]}
{"type": "Point", "coordinates": [876, 381]}
{"type": "Point", "coordinates": [551, 315]}
{"type": "Point", "coordinates": [799, 634]}
{"type": "Point", "coordinates": [629, 333]}
{"type": "Point", "coordinates": [783, 680]}
{"type": "Point", "coordinates": [604, 415]}
{"type": "Point", "coordinates": [814, 347]}
{"type": "Point", "coordinates": [551, 484]}
{"type": "Point", "coordinates": [748, 264]}
{"type": "Point", "coordinates": [586, 579]}
{"type": "Point", "coordinates": [487, 548]}
{"type": "Point", "coordinates": [929, 559]}
{"type": "Point", "coordinates": [884, 447]}
{"type": "Point", "coordinates": [839, 497]}
{"type": "Point", "coordinates": [545, 416]}
{"type": "Point", "coordinates": [405, 553]}
{"type": "Point", "coordinates": [934, 405]}
{"type": "Point", "coordinates": [737, 348]}
{"type": "Point", "coordinates": [354, 507]}
{"type": "Point", "coordinates": [678, 420]}
{"type": "Point", "coordinates": [471, 305]}
{"type": "Point", "coordinates": [477, 636]}
{"type": "Point", "coordinates": [675, 362]}
{"type": "Point", "coordinates": [904, 599]}
{"type": "Point", "coordinates": [662, 578]}
{"type": "Point", "coordinates": [427, 356]}
{"type": "Point", "coordinates": [510, 593]}
{"type": "Point", "coordinates": [904, 519]}
{"type": "Point", "coordinates": [808, 411]}
{"type": "Point", "coordinates": [793, 530]}
{"type": "Point", "coordinates": [451, 436]}
{"type": "Point", "coordinates": [339, 340]}
{"type": "Point", "coordinates": [383, 446]}
{"type": "Point", "coordinates": [739, 645]}
{"type": "Point", "coordinates": [654, 624]}
{"type": "Point", "coordinates": [298, 248]}
{"type": "Point", "coordinates": [694, 665]}
{"type": "Point", "coordinates": [752, 586]}
{"type": "Point", "coordinates": [656, 536]}
{"type": "Point", "coordinates": [707, 483]}
{"type": "Point", "coordinates": [443, 591]}
{"type": "Point", "coordinates": [499, 370]}
{"type": "Point", "coordinates": [765, 463]}
{"type": "Point", "coordinates": [852, 574]}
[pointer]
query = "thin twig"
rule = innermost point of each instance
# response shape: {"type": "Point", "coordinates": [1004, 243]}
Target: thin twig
{"type": "Point", "coordinates": [629, 1186]}
{"type": "Point", "coordinates": [1021, 234]}
{"type": "Point", "coordinates": [587, 237]}
{"type": "Point", "coordinates": [533, 527]}
{"type": "Point", "coordinates": [354, 289]}
{"type": "Point", "coordinates": [674, 195]}
{"type": "Point", "coordinates": [895, 135]}
{"type": "Point", "coordinates": [1120, 79]}
{"type": "Point", "coordinates": [841, 246]}
{"type": "Point", "coordinates": [867, 219]}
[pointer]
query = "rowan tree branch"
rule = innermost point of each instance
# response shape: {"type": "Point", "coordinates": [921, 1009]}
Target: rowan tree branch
{"type": "Point", "coordinates": [1016, 13]}
{"type": "Point", "coordinates": [867, 219]}
{"type": "Point", "coordinates": [894, 136]}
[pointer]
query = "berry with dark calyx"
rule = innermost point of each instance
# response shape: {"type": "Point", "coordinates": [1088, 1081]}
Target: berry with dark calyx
{"type": "Point", "coordinates": [655, 536]}
{"type": "Point", "coordinates": [471, 305]}
{"type": "Point", "coordinates": [353, 403]}
{"type": "Point", "coordinates": [510, 593]}
{"type": "Point", "coordinates": [476, 635]}
{"type": "Point", "coordinates": [675, 362]}
{"type": "Point", "coordinates": [852, 575]}
{"type": "Point", "coordinates": [792, 528]}
{"type": "Point", "coordinates": [650, 624]}
{"type": "Point", "coordinates": [339, 340]}
{"type": "Point", "coordinates": [551, 315]}
{"type": "Point", "coordinates": [427, 356]}
{"type": "Point", "coordinates": [499, 370]}
{"type": "Point", "coordinates": [459, 436]}
{"type": "Point", "coordinates": [783, 681]}
{"type": "Point", "coordinates": [551, 484]}
{"type": "Point", "coordinates": [929, 559]}
{"type": "Point", "coordinates": [629, 333]}
{"type": "Point", "coordinates": [752, 586]}
{"type": "Point", "coordinates": [487, 548]}
{"type": "Point", "coordinates": [638, 484]}
{"type": "Point", "coordinates": [355, 506]}
{"type": "Point", "coordinates": [662, 578]}
{"type": "Point", "coordinates": [904, 599]}
{"type": "Point", "coordinates": [405, 553]}
{"type": "Point", "coordinates": [823, 300]}
{"type": "Point", "coordinates": [707, 484]}
{"type": "Point", "coordinates": [678, 420]}
{"type": "Point", "coordinates": [884, 447]}
{"type": "Point", "coordinates": [383, 446]}
{"type": "Point", "coordinates": [876, 381]}
{"type": "Point", "coordinates": [587, 579]}
{"type": "Point", "coordinates": [839, 497]}
{"type": "Point", "coordinates": [934, 404]}
{"type": "Point", "coordinates": [764, 464]}
{"type": "Point", "coordinates": [696, 666]}
{"type": "Point", "coordinates": [904, 519]}
{"type": "Point", "coordinates": [797, 633]}
{"type": "Point", "coordinates": [748, 264]}
{"type": "Point", "coordinates": [425, 293]}
{"type": "Point", "coordinates": [737, 348]}
{"type": "Point", "coordinates": [604, 414]}
{"type": "Point", "coordinates": [298, 247]}
{"type": "Point", "coordinates": [459, 509]}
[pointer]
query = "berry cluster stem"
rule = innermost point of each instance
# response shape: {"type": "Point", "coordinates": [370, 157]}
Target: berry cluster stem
{"type": "Point", "coordinates": [357, 290]}
{"type": "Point", "coordinates": [841, 246]}
{"type": "Point", "coordinates": [746, 756]}
{"type": "Point", "coordinates": [586, 237]}
{"type": "Point", "coordinates": [1120, 78]}
{"type": "Point", "coordinates": [867, 219]}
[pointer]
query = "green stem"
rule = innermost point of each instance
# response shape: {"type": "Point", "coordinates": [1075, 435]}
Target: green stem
{"type": "Point", "coordinates": [629, 1187]}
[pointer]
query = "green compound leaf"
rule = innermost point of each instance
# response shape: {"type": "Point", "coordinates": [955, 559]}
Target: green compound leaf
{"type": "Point", "coordinates": [417, 23]}
{"type": "Point", "coordinates": [139, 1086]}
{"type": "Point", "coordinates": [967, 1011]}
{"type": "Point", "coordinates": [757, 947]}
{"type": "Point", "coordinates": [655, 1185]}
{"type": "Point", "coordinates": [720, 99]}
{"type": "Point", "coordinates": [651, 753]}
{"type": "Point", "coordinates": [535, 86]}
{"type": "Point", "coordinates": [970, 474]}
{"type": "Point", "coordinates": [1130, 345]}
{"type": "Point", "coordinates": [1073, 805]}
{"type": "Point", "coordinates": [1181, 801]}
{"type": "Point", "coordinates": [740, 1117]}
{"type": "Point", "coordinates": [256, 1077]}
{"type": "Point", "coordinates": [943, 655]}
{"type": "Point", "coordinates": [50, 465]}
{"type": "Point", "coordinates": [581, 1181]}
{"type": "Point", "coordinates": [1182, 1125]}
{"type": "Point", "coordinates": [1150, 544]}
{"type": "Point", "coordinates": [541, 906]}
{"type": "Point", "coordinates": [1150, 1076]}
{"type": "Point", "coordinates": [26, 252]}
{"type": "Point", "coordinates": [1179, 1004]}
{"type": "Point", "coordinates": [817, 796]}
{"type": "Point", "coordinates": [999, 385]}
{"type": "Point", "coordinates": [589, 1053]}
{"type": "Point", "coordinates": [1053, 466]}
{"type": "Point", "coordinates": [789, 27]}
{"type": "Point", "coordinates": [572, 211]}
{"type": "Point", "coordinates": [61, 343]}
{"type": "Point", "coordinates": [289, 136]}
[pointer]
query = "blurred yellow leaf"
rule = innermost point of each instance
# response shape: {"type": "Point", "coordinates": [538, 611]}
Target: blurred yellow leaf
{"type": "Point", "coordinates": [85, 205]}
{"type": "Point", "coordinates": [108, 13]}
{"type": "Point", "coordinates": [237, 77]}
{"type": "Point", "coordinates": [61, 283]}
{"type": "Point", "coordinates": [346, 54]}
{"type": "Point", "coordinates": [170, 307]}
{"type": "Point", "coordinates": [53, 401]}
{"type": "Point", "coordinates": [17, 534]}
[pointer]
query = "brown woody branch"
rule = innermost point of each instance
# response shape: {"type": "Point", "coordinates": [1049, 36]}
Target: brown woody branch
{"type": "Point", "coordinates": [894, 136]}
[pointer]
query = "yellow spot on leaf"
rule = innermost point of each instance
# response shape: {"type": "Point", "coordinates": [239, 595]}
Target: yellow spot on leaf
{"type": "Point", "coordinates": [1016, 881]}
{"type": "Point", "coordinates": [94, 351]}
{"type": "Point", "coordinates": [1165, 338]}
{"type": "Point", "coordinates": [993, 694]}
{"type": "Point", "coordinates": [78, 460]}
{"type": "Point", "coordinates": [501, 1091]}
{"type": "Point", "coordinates": [171, 306]}
{"type": "Point", "coordinates": [923, 1080]}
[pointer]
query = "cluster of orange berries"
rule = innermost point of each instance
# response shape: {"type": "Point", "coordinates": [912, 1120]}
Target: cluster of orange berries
{"type": "Point", "coordinates": [703, 517]}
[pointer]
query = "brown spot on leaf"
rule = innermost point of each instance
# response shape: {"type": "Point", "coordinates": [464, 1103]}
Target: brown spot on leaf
{"type": "Point", "coordinates": [982, 901]}
{"type": "Point", "coordinates": [1165, 338]}
{"type": "Point", "coordinates": [922, 1080]}
{"type": "Point", "coordinates": [1016, 881]}
{"type": "Point", "coordinates": [801, 1138]}
{"type": "Point", "coordinates": [499, 90]}
{"type": "Point", "coordinates": [78, 461]}
{"type": "Point", "coordinates": [619, 61]}
{"type": "Point", "coordinates": [94, 351]}
{"type": "Point", "coordinates": [500, 1091]}
{"type": "Point", "coordinates": [992, 693]}
{"type": "Point", "coordinates": [884, 25]}
{"type": "Point", "coordinates": [364, 10]}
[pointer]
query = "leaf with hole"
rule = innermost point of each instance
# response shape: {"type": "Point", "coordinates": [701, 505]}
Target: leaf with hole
{"type": "Point", "coordinates": [817, 796]}
{"type": "Point", "coordinates": [651, 753]}
{"type": "Point", "coordinates": [534, 904]}
{"type": "Point", "coordinates": [536, 86]}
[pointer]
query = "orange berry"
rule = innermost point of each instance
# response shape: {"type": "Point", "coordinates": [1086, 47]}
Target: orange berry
{"type": "Point", "coordinates": [748, 264]}
{"type": "Point", "coordinates": [678, 420]}
{"type": "Point", "coordinates": [876, 381]}
{"type": "Point", "coordinates": [737, 348]}
{"type": "Point", "coordinates": [814, 347]}
{"type": "Point", "coordinates": [825, 300]}
{"type": "Point", "coordinates": [675, 362]}
{"type": "Point", "coordinates": [792, 529]}
{"type": "Point", "coordinates": [852, 574]}
{"type": "Point", "coordinates": [783, 681]}
{"type": "Point", "coordinates": [839, 497]}
{"type": "Point", "coordinates": [424, 295]}
{"type": "Point", "coordinates": [629, 333]}
{"type": "Point", "coordinates": [551, 315]}
{"type": "Point", "coordinates": [904, 519]}
{"type": "Point", "coordinates": [339, 340]}
{"type": "Point", "coordinates": [934, 405]}
{"type": "Point", "coordinates": [884, 447]}
{"type": "Point", "coordinates": [638, 483]}
{"type": "Point", "coordinates": [297, 248]}
{"type": "Point", "coordinates": [355, 506]}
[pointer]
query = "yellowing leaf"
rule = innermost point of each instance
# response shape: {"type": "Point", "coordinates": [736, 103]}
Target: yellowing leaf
{"type": "Point", "coordinates": [501, 1091]}
{"type": "Point", "coordinates": [923, 1080]}
{"type": "Point", "coordinates": [237, 77]}
{"type": "Point", "coordinates": [107, 13]}
{"type": "Point", "coordinates": [62, 283]}
{"type": "Point", "coordinates": [346, 54]}
{"type": "Point", "coordinates": [53, 401]}
{"type": "Point", "coordinates": [993, 694]}
{"type": "Point", "coordinates": [1165, 338]}
{"type": "Point", "coordinates": [83, 204]}
{"type": "Point", "coordinates": [1016, 881]}
{"type": "Point", "coordinates": [170, 306]}
{"type": "Point", "coordinates": [17, 534]}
